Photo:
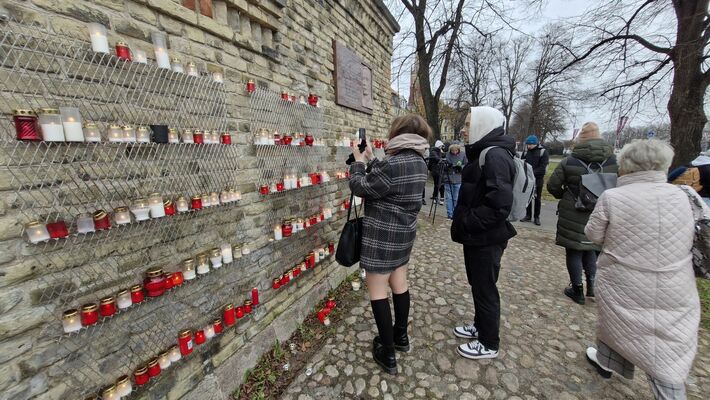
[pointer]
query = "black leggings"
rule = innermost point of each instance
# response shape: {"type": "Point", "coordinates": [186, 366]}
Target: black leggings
{"type": "Point", "coordinates": [578, 260]}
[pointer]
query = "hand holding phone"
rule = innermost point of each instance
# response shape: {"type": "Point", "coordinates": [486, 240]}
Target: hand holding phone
{"type": "Point", "coordinates": [363, 139]}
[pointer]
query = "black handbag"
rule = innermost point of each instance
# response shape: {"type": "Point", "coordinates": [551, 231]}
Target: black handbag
{"type": "Point", "coordinates": [348, 251]}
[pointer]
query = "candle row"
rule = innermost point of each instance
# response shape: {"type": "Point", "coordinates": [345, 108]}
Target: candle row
{"type": "Point", "coordinates": [99, 44]}
{"type": "Point", "coordinates": [309, 262]}
{"type": "Point", "coordinates": [264, 138]}
{"type": "Point", "coordinates": [292, 225]}
{"type": "Point", "coordinates": [291, 182]}
{"type": "Point", "coordinates": [156, 283]}
{"type": "Point", "coordinates": [141, 210]}
{"type": "Point", "coordinates": [325, 311]}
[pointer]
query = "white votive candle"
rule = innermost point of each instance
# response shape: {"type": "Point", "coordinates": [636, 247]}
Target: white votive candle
{"type": "Point", "coordinates": [121, 216]}
{"type": "Point", "coordinates": [203, 266]}
{"type": "Point", "coordinates": [91, 132]}
{"type": "Point", "coordinates": [218, 77]}
{"type": "Point", "coordinates": [245, 250]}
{"type": "Point", "coordinates": [278, 233]}
{"type": "Point", "coordinates": [140, 210]}
{"type": "Point", "coordinates": [51, 123]}
{"type": "Point", "coordinates": [99, 40]}
{"type": "Point", "coordinates": [177, 67]}
{"type": "Point", "coordinates": [123, 299]}
{"type": "Point", "coordinates": [142, 135]}
{"type": "Point", "coordinates": [160, 46]}
{"type": "Point", "coordinates": [123, 386]}
{"type": "Point", "coordinates": [71, 321]}
{"type": "Point", "coordinates": [155, 203]}
{"type": "Point", "coordinates": [173, 136]}
{"type": "Point", "coordinates": [226, 250]}
{"type": "Point", "coordinates": [188, 269]}
{"type": "Point", "coordinates": [84, 223]}
{"type": "Point", "coordinates": [192, 69]}
{"type": "Point", "coordinates": [36, 232]}
{"type": "Point", "coordinates": [164, 360]}
{"type": "Point", "coordinates": [115, 134]}
{"type": "Point", "coordinates": [71, 123]}
{"type": "Point", "coordinates": [139, 56]}
{"type": "Point", "coordinates": [174, 354]}
{"type": "Point", "coordinates": [209, 331]}
{"type": "Point", "coordinates": [129, 134]}
{"type": "Point", "coordinates": [216, 258]}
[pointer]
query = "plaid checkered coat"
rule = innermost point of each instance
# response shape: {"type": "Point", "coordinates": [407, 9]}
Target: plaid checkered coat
{"type": "Point", "coordinates": [392, 192]}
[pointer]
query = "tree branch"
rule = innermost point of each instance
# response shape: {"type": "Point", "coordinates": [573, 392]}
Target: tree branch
{"type": "Point", "coordinates": [640, 79]}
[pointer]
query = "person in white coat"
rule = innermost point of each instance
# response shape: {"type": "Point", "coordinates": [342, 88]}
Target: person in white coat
{"type": "Point", "coordinates": [647, 299]}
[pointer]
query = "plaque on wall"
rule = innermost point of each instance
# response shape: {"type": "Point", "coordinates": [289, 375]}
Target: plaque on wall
{"type": "Point", "coordinates": [353, 80]}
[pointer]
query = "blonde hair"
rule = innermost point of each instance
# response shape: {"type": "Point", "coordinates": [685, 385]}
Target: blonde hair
{"type": "Point", "coordinates": [589, 131]}
{"type": "Point", "coordinates": [454, 147]}
{"type": "Point", "coordinates": [645, 155]}
{"type": "Point", "coordinates": [410, 123]}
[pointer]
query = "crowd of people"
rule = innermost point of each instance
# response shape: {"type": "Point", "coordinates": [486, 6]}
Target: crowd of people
{"type": "Point", "coordinates": [634, 243]}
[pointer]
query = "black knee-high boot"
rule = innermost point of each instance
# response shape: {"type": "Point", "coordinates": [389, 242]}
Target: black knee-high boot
{"type": "Point", "coordinates": [383, 346]}
{"type": "Point", "coordinates": [401, 317]}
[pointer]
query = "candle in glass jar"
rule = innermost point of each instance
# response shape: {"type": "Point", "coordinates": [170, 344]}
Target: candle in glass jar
{"type": "Point", "coordinates": [216, 258]}
{"type": "Point", "coordinates": [123, 386]}
{"type": "Point", "coordinates": [214, 199]}
{"type": "Point", "coordinates": [91, 132]}
{"type": "Point", "coordinates": [278, 232]}
{"type": "Point", "coordinates": [142, 135]}
{"type": "Point", "coordinates": [140, 209]}
{"type": "Point", "coordinates": [177, 66]}
{"type": "Point", "coordinates": [164, 360]}
{"type": "Point", "coordinates": [239, 312]}
{"type": "Point", "coordinates": [115, 134]}
{"type": "Point", "coordinates": [173, 136]}
{"type": "Point", "coordinates": [121, 216]}
{"type": "Point", "coordinates": [123, 299]}
{"type": "Point", "coordinates": [154, 282]}
{"type": "Point", "coordinates": [160, 46]}
{"type": "Point", "coordinates": [251, 86]}
{"type": "Point", "coordinates": [226, 138]}
{"type": "Point", "coordinates": [188, 269]}
{"type": "Point", "coordinates": [255, 296]}
{"type": "Point", "coordinates": [218, 77]}
{"type": "Point", "coordinates": [203, 266]}
{"type": "Point", "coordinates": [209, 331]}
{"type": "Point", "coordinates": [153, 367]}
{"type": "Point", "coordinates": [51, 123]}
{"type": "Point", "coordinates": [200, 337]}
{"type": "Point", "coordinates": [101, 220]}
{"type": "Point", "coordinates": [196, 202]}
{"type": "Point", "coordinates": [187, 136]}
{"type": "Point", "coordinates": [185, 342]}
{"type": "Point", "coordinates": [175, 355]}
{"type": "Point", "coordinates": [26, 126]}
{"type": "Point", "coordinates": [122, 51]}
{"type": "Point", "coordinates": [177, 278]}
{"type": "Point", "coordinates": [57, 230]}
{"type": "Point", "coordinates": [237, 251]}
{"type": "Point", "coordinates": [276, 283]}
{"type": "Point", "coordinates": [245, 250]}
{"type": "Point", "coordinates": [109, 393]}
{"type": "Point", "coordinates": [206, 200]}
{"type": "Point", "coordinates": [137, 295]}
{"type": "Point", "coordinates": [140, 376]}
{"type": "Point", "coordinates": [248, 307]}
{"type": "Point", "coordinates": [198, 137]}
{"type": "Point", "coordinates": [89, 314]}
{"type": "Point", "coordinates": [71, 321]}
{"type": "Point", "coordinates": [224, 197]}
{"type": "Point", "coordinates": [218, 327]}
{"type": "Point", "coordinates": [192, 69]}
{"type": "Point", "coordinates": [169, 207]}
{"type": "Point", "coordinates": [155, 203]}
{"type": "Point", "coordinates": [99, 40]}
{"type": "Point", "coordinates": [226, 250]}
{"type": "Point", "coordinates": [107, 306]}
{"type": "Point", "coordinates": [229, 315]}
{"type": "Point", "coordinates": [181, 204]}
{"type": "Point", "coordinates": [36, 232]}
{"type": "Point", "coordinates": [140, 57]}
{"type": "Point", "coordinates": [129, 134]}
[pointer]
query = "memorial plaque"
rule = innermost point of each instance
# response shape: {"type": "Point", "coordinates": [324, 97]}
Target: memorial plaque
{"type": "Point", "coordinates": [353, 80]}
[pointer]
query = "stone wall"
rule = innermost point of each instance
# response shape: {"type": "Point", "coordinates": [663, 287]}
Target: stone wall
{"type": "Point", "coordinates": [280, 44]}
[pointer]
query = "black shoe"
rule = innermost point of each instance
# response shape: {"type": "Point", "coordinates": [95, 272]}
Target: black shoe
{"type": "Point", "coordinates": [590, 287]}
{"type": "Point", "coordinates": [526, 219]}
{"type": "Point", "coordinates": [384, 357]}
{"type": "Point", "coordinates": [400, 344]}
{"type": "Point", "coordinates": [576, 293]}
{"type": "Point", "coordinates": [423, 202]}
{"type": "Point", "coordinates": [591, 354]}
{"type": "Point", "coordinates": [537, 221]}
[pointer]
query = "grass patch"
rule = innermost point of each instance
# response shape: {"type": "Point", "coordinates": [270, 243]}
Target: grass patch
{"type": "Point", "coordinates": [550, 168]}
{"type": "Point", "coordinates": [704, 292]}
{"type": "Point", "coordinates": [268, 379]}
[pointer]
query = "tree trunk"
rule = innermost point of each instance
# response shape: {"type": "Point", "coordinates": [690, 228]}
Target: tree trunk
{"type": "Point", "coordinates": [686, 103]}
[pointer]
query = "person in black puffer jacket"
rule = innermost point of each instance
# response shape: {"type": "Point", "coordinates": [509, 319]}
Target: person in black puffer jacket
{"type": "Point", "coordinates": [537, 157]}
{"type": "Point", "coordinates": [480, 224]}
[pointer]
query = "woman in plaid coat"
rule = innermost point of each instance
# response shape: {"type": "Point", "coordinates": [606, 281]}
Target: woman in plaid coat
{"type": "Point", "coordinates": [392, 190]}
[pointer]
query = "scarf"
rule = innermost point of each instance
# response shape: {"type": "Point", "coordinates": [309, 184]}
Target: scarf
{"type": "Point", "coordinates": [407, 141]}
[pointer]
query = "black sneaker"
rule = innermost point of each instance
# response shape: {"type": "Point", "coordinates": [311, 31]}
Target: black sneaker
{"type": "Point", "coordinates": [592, 358]}
{"type": "Point", "coordinates": [466, 332]}
{"type": "Point", "coordinates": [526, 219]}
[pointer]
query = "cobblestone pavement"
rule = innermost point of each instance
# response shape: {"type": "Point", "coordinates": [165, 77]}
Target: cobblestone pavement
{"type": "Point", "coordinates": [543, 336]}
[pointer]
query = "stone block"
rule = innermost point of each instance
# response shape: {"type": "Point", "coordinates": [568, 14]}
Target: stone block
{"type": "Point", "coordinates": [212, 26]}
{"type": "Point", "coordinates": [174, 10]}
{"type": "Point", "coordinates": [142, 13]}
{"type": "Point", "coordinates": [74, 9]}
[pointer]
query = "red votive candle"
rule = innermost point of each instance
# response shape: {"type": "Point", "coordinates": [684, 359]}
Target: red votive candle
{"type": "Point", "coordinates": [248, 307]}
{"type": "Point", "coordinates": [312, 259]}
{"type": "Point", "coordinates": [264, 189]}
{"type": "Point", "coordinates": [26, 127]}
{"type": "Point", "coordinates": [240, 312]}
{"type": "Point", "coordinates": [279, 186]}
{"type": "Point", "coordinates": [101, 220]}
{"type": "Point", "coordinates": [57, 229]}
{"type": "Point", "coordinates": [251, 87]}
{"type": "Point", "coordinates": [331, 248]}
{"type": "Point", "coordinates": [226, 138]}
{"type": "Point", "coordinates": [309, 140]}
{"type": "Point", "coordinates": [218, 326]}
{"type": "Point", "coordinates": [153, 367]}
{"type": "Point", "coordinates": [200, 337]}
{"type": "Point", "coordinates": [169, 207]}
{"type": "Point", "coordinates": [154, 282]}
{"type": "Point", "coordinates": [255, 296]}
{"type": "Point", "coordinates": [284, 96]}
{"type": "Point", "coordinates": [107, 306]}
{"type": "Point", "coordinates": [185, 342]}
{"type": "Point", "coordinates": [89, 314]}
{"type": "Point", "coordinates": [177, 278]}
{"type": "Point", "coordinates": [168, 282]}
{"type": "Point", "coordinates": [122, 51]}
{"type": "Point", "coordinates": [198, 137]}
{"type": "Point", "coordinates": [287, 140]}
{"type": "Point", "coordinates": [229, 315]}
{"type": "Point", "coordinates": [196, 203]}
{"type": "Point", "coordinates": [314, 220]}
{"type": "Point", "coordinates": [276, 283]}
{"type": "Point", "coordinates": [330, 304]}
{"type": "Point", "coordinates": [140, 376]}
{"type": "Point", "coordinates": [137, 295]}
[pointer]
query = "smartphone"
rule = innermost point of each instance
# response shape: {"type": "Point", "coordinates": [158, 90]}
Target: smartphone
{"type": "Point", "coordinates": [363, 139]}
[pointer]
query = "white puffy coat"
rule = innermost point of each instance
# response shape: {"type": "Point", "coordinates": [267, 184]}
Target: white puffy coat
{"type": "Point", "coordinates": [648, 303]}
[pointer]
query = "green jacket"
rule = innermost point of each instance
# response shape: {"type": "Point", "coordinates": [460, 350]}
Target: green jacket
{"type": "Point", "coordinates": [570, 222]}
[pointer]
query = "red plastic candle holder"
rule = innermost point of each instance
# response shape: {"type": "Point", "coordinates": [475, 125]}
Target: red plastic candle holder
{"type": "Point", "coordinates": [218, 328]}
{"type": "Point", "coordinates": [198, 137]}
{"type": "Point", "coordinates": [153, 367]}
{"type": "Point", "coordinates": [248, 307]}
{"type": "Point", "coordinates": [286, 229]}
{"type": "Point", "coordinates": [331, 247]}
{"type": "Point", "coordinates": [185, 342]}
{"type": "Point", "coordinates": [312, 100]}
{"type": "Point", "coordinates": [279, 186]}
{"type": "Point", "coordinates": [239, 312]}
{"type": "Point", "coordinates": [226, 138]}
{"type": "Point", "coordinates": [323, 317]}
{"type": "Point", "coordinates": [177, 278]}
{"type": "Point", "coordinates": [313, 220]}
{"type": "Point", "coordinates": [57, 229]}
{"type": "Point", "coordinates": [314, 179]}
{"type": "Point", "coordinates": [154, 282]}
{"type": "Point", "coordinates": [26, 126]}
{"type": "Point", "coordinates": [276, 283]}
{"type": "Point", "coordinates": [296, 272]}
{"type": "Point", "coordinates": [251, 87]}
{"type": "Point", "coordinates": [137, 294]}
{"type": "Point", "coordinates": [89, 314]}
{"type": "Point", "coordinates": [284, 96]}
{"type": "Point", "coordinates": [107, 306]}
{"type": "Point", "coordinates": [168, 282]}
{"type": "Point", "coordinates": [346, 204]}
{"type": "Point", "coordinates": [140, 376]}
{"type": "Point", "coordinates": [101, 220]}
{"type": "Point", "coordinates": [200, 337]}
{"type": "Point", "coordinates": [287, 140]}
{"type": "Point", "coordinates": [264, 189]}
{"type": "Point", "coordinates": [123, 52]}
{"type": "Point", "coordinates": [196, 203]}
{"type": "Point", "coordinates": [169, 207]}
{"type": "Point", "coordinates": [309, 140]}
{"type": "Point", "coordinates": [330, 304]}
{"type": "Point", "coordinates": [312, 259]}
{"type": "Point", "coordinates": [229, 315]}
{"type": "Point", "coordinates": [255, 296]}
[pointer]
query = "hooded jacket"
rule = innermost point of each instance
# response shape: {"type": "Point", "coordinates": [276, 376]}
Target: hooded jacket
{"type": "Point", "coordinates": [486, 194]}
{"type": "Point", "coordinates": [454, 167]}
{"type": "Point", "coordinates": [538, 159]}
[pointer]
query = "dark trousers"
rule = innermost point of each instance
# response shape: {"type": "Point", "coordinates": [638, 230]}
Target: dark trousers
{"type": "Point", "coordinates": [537, 202]}
{"type": "Point", "coordinates": [578, 260]}
{"type": "Point", "coordinates": [482, 268]}
{"type": "Point", "coordinates": [438, 187]}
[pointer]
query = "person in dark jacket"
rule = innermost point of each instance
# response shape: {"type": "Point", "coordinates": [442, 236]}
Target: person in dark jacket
{"type": "Point", "coordinates": [480, 224]}
{"type": "Point", "coordinates": [581, 253]}
{"type": "Point", "coordinates": [391, 190]}
{"type": "Point", "coordinates": [538, 158]}
{"type": "Point", "coordinates": [702, 163]}
{"type": "Point", "coordinates": [451, 176]}
{"type": "Point", "coordinates": [436, 155]}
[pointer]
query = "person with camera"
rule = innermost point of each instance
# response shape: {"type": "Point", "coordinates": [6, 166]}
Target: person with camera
{"type": "Point", "coordinates": [537, 157]}
{"type": "Point", "coordinates": [391, 189]}
{"type": "Point", "coordinates": [451, 168]}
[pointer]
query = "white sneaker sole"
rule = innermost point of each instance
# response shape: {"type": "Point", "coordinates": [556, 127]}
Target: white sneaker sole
{"type": "Point", "coordinates": [462, 336]}
{"type": "Point", "coordinates": [470, 357]}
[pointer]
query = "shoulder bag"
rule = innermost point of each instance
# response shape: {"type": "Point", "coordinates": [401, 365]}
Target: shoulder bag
{"type": "Point", "coordinates": [348, 252]}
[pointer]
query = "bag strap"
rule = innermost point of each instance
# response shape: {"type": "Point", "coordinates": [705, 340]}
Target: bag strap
{"type": "Point", "coordinates": [484, 152]}
{"type": "Point", "coordinates": [694, 202]}
{"type": "Point", "coordinates": [352, 205]}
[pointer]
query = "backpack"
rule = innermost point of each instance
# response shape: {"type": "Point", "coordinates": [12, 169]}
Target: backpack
{"type": "Point", "coordinates": [523, 185]}
{"type": "Point", "coordinates": [689, 177]}
{"type": "Point", "coordinates": [592, 184]}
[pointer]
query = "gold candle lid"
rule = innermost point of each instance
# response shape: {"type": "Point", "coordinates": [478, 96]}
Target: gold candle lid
{"type": "Point", "coordinates": [114, 126]}
{"type": "Point", "coordinates": [247, 303]}
{"type": "Point", "coordinates": [175, 60]}
{"type": "Point", "coordinates": [173, 348]}
{"type": "Point", "coordinates": [107, 300]}
{"type": "Point", "coordinates": [188, 263]}
{"type": "Point", "coordinates": [191, 64]}
{"type": "Point", "coordinates": [121, 44]}
{"type": "Point", "coordinates": [109, 391]}
{"type": "Point", "coordinates": [70, 313]}
{"type": "Point", "coordinates": [197, 197]}
{"type": "Point", "coordinates": [89, 307]}
{"type": "Point", "coordinates": [140, 202]}
{"type": "Point", "coordinates": [164, 354]}
{"type": "Point", "coordinates": [218, 321]}
{"type": "Point", "coordinates": [89, 125]}
{"type": "Point", "coordinates": [168, 203]}
{"type": "Point", "coordinates": [199, 132]}
{"type": "Point", "coordinates": [172, 130]}
{"type": "Point", "coordinates": [122, 292]}
{"type": "Point", "coordinates": [154, 272]}
{"type": "Point", "coordinates": [23, 111]}
{"type": "Point", "coordinates": [153, 362]}
{"type": "Point", "coordinates": [143, 129]}
{"type": "Point", "coordinates": [121, 209]}
{"type": "Point", "coordinates": [127, 128]}
{"type": "Point", "coordinates": [185, 333]}
{"type": "Point", "coordinates": [188, 131]}
{"type": "Point", "coordinates": [202, 258]}
{"type": "Point", "coordinates": [52, 111]}
{"type": "Point", "coordinates": [32, 224]}
{"type": "Point", "coordinates": [181, 199]}
{"type": "Point", "coordinates": [141, 370]}
{"type": "Point", "coordinates": [123, 379]}
{"type": "Point", "coordinates": [136, 288]}
{"type": "Point", "coordinates": [228, 307]}
{"type": "Point", "coordinates": [215, 252]}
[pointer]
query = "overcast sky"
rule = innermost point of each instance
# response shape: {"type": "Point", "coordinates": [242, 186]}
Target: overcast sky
{"type": "Point", "coordinates": [552, 11]}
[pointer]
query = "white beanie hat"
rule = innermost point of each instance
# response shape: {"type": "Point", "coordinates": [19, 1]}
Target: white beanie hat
{"type": "Point", "coordinates": [439, 144]}
{"type": "Point", "coordinates": [483, 121]}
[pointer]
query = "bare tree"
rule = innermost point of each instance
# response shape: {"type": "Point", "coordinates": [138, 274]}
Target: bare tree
{"type": "Point", "coordinates": [549, 117]}
{"type": "Point", "coordinates": [639, 44]}
{"type": "Point", "coordinates": [507, 71]}
{"type": "Point", "coordinates": [471, 70]}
